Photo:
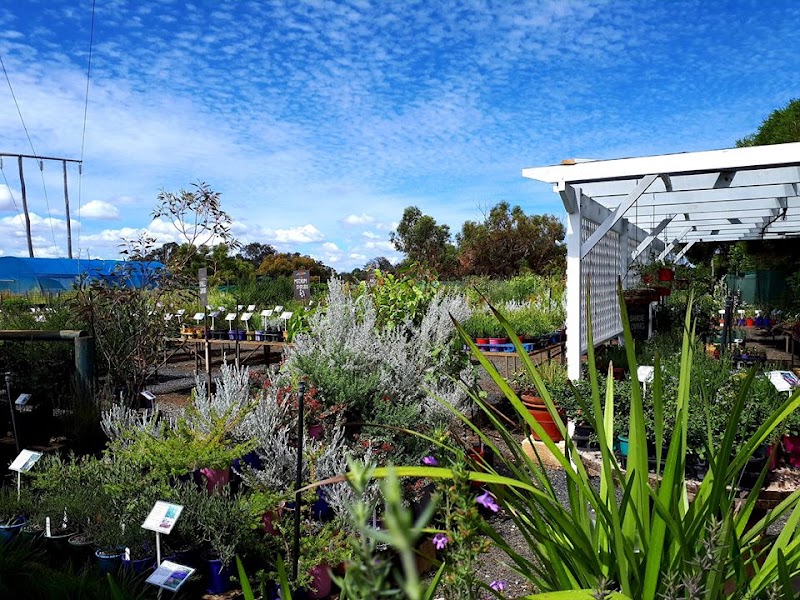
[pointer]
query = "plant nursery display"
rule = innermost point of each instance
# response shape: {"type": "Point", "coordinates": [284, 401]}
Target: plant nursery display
{"type": "Point", "coordinates": [357, 465]}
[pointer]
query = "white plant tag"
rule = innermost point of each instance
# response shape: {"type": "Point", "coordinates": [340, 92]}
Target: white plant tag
{"type": "Point", "coordinates": [47, 526]}
{"type": "Point", "coordinates": [127, 554]}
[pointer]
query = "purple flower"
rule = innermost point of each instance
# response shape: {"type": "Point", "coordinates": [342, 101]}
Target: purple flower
{"type": "Point", "coordinates": [440, 540]}
{"type": "Point", "coordinates": [430, 461]}
{"type": "Point", "coordinates": [487, 501]}
{"type": "Point", "coordinates": [498, 585]}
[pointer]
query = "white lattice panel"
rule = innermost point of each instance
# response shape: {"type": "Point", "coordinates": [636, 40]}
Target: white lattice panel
{"type": "Point", "coordinates": [601, 265]}
{"type": "Point", "coordinates": [633, 278]}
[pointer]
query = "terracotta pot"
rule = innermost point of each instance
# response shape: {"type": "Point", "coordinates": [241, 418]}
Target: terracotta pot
{"type": "Point", "coordinates": [539, 412]}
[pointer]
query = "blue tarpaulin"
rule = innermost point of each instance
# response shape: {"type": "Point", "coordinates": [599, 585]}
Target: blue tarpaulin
{"type": "Point", "coordinates": [56, 275]}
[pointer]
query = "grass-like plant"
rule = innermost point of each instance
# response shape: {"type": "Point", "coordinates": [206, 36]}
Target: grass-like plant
{"type": "Point", "coordinates": [636, 535]}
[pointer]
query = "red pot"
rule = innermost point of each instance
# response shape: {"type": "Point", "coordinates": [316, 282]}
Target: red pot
{"type": "Point", "coordinates": [482, 341]}
{"type": "Point", "coordinates": [772, 456]}
{"type": "Point", "coordinates": [539, 412]}
{"type": "Point", "coordinates": [320, 586]}
{"type": "Point", "coordinates": [750, 322]}
{"type": "Point", "coordinates": [791, 446]}
{"type": "Point", "coordinates": [647, 278]}
{"type": "Point", "coordinates": [216, 478]}
{"type": "Point", "coordinates": [665, 274]}
{"type": "Point", "coordinates": [269, 520]}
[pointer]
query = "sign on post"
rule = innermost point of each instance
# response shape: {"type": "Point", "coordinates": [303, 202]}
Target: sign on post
{"type": "Point", "coordinates": [202, 276]}
{"type": "Point", "coordinates": [302, 285]}
{"type": "Point", "coordinates": [24, 461]}
{"type": "Point", "coordinates": [162, 517]}
{"type": "Point", "coordinates": [170, 576]}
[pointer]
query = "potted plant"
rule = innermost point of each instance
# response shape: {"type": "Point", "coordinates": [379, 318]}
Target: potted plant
{"type": "Point", "coordinates": [323, 546]}
{"type": "Point", "coordinates": [225, 521]}
{"type": "Point", "coordinates": [13, 512]}
{"type": "Point", "coordinates": [550, 372]}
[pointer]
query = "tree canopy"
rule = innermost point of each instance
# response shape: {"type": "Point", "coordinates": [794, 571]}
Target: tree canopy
{"type": "Point", "coordinates": [285, 263]}
{"type": "Point", "coordinates": [509, 241]}
{"type": "Point", "coordinates": [424, 241]}
{"type": "Point", "coordinates": [780, 127]}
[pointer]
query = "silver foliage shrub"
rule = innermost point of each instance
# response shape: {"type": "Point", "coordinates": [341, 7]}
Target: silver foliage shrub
{"type": "Point", "coordinates": [413, 366]}
{"type": "Point", "coordinates": [122, 422]}
{"type": "Point", "coordinates": [231, 402]}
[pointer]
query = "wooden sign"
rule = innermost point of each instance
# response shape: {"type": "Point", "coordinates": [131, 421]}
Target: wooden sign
{"type": "Point", "coordinates": [302, 285]}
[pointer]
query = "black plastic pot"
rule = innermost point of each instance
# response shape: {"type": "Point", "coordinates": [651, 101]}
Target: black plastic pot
{"type": "Point", "coordinates": [700, 469]}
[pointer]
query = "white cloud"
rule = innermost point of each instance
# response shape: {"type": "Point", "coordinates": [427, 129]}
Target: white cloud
{"type": "Point", "coordinates": [371, 235]}
{"type": "Point", "coordinates": [98, 209]}
{"type": "Point", "coordinates": [357, 257]}
{"type": "Point", "coordinates": [379, 246]}
{"type": "Point", "coordinates": [330, 247]}
{"type": "Point", "coordinates": [297, 235]}
{"type": "Point", "coordinates": [347, 122]}
{"type": "Point", "coordinates": [387, 226]}
{"type": "Point", "coordinates": [362, 219]}
{"type": "Point", "coordinates": [6, 199]}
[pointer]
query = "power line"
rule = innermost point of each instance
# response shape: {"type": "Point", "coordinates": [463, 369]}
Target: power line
{"type": "Point", "coordinates": [30, 142]}
{"type": "Point", "coordinates": [85, 114]}
{"type": "Point", "coordinates": [8, 187]}
{"type": "Point", "coordinates": [14, 96]}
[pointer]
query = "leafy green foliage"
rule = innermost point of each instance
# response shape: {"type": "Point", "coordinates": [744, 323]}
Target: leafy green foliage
{"type": "Point", "coordinates": [781, 126]}
{"type": "Point", "coordinates": [424, 241]}
{"type": "Point", "coordinates": [509, 241]}
{"type": "Point", "coordinates": [399, 300]}
{"type": "Point", "coordinates": [653, 536]}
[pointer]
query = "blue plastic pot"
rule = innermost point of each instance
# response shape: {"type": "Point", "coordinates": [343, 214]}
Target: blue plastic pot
{"type": "Point", "coordinates": [140, 565]}
{"type": "Point", "coordinates": [219, 577]}
{"type": "Point", "coordinates": [623, 444]}
{"type": "Point", "coordinates": [9, 532]}
{"type": "Point", "coordinates": [321, 510]}
{"type": "Point", "coordinates": [108, 560]}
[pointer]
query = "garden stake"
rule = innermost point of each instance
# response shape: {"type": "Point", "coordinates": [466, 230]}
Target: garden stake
{"type": "Point", "coordinates": [298, 480]}
{"type": "Point", "coordinates": [11, 408]}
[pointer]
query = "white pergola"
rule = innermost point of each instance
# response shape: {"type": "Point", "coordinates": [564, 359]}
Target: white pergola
{"type": "Point", "coordinates": [636, 210]}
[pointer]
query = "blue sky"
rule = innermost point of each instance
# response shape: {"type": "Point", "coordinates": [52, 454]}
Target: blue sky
{"type": "Point", "coordinates": [319, 121]}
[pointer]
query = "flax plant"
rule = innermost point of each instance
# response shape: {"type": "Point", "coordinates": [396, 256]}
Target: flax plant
{"type": "Point", "coordinates": [635, 534]}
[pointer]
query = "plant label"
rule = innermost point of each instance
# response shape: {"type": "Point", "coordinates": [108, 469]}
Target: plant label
{"type": "Point", "coordinates": [162, 517]}
{"type": "Point", "coordinates": [170, 576]}
{"type": "Point", "coordinates": [24, 461]}
{"type": "Point", "coordinates": [23, 399]}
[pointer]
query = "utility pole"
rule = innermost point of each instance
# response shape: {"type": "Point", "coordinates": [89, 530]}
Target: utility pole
{"type": "Point", "coordinates": [66, 205]}
{"type": "Point", "coordinates": [41, 159]}
{"type": "Point", "coordinates": [25, 207]}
